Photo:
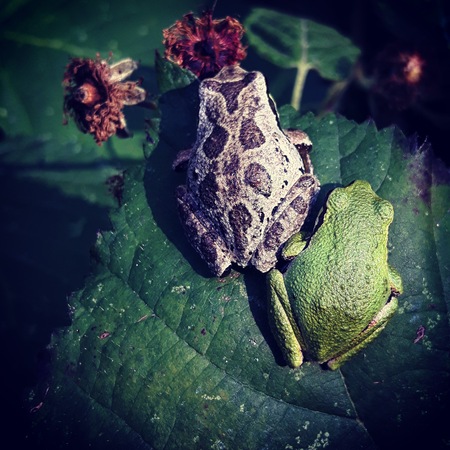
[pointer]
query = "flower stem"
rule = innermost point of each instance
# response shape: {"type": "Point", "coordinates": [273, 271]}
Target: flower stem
{"type": "Point", "coordinates": [302, 67]}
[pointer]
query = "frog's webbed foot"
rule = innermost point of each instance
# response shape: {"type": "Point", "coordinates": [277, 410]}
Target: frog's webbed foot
{"type": "Point", "coordinates": [286, 221]}
{"type": "Point", "coordinates": [207, 242]}
{"type": "Point", "coordinates": [294, 245]}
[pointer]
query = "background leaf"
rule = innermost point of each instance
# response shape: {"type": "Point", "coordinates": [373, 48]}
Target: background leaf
{"type": "Point", "coordinates": [164, 356]}
{"type": "Point", "coordinates": [288, 41]}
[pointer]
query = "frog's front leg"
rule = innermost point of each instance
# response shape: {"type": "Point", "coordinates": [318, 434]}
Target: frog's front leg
{"type": "Point", "coordinates": [294, 245]}
{"type": "Point", "coordinates": [368, 335]}
{"type": "Point", "coordinates": [201, 234]}
{"type": "Point", "coordinates": [282, 321]}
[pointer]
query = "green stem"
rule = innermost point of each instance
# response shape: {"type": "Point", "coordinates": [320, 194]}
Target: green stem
{"type": "Point", "coordinates": [302, 67]}
{"type": "Point", "coordinates": [55, 44]}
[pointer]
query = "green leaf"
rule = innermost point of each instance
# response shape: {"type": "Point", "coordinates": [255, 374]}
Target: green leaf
{"type": "Point", "coordinates": [171, 75]}
{"type": "Point", "coordinates": [289, 41]}
{"type": "Point", "coordinates": [162, 355]}
{"type": "Point", "coordinates": [75, 170]}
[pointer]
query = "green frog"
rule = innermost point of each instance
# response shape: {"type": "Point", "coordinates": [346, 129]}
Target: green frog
{"type": "Point", "coordinates": [338, 292]}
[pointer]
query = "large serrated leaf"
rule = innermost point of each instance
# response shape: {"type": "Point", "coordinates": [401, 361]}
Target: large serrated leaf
{"type": "Point", "coordinates": [161, 355]}
{"type": "Point", "coordinates": [289, 41]}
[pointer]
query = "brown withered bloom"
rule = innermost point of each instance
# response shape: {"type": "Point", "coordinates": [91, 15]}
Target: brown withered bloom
{"type": "Point", "coordinates": [204, 45]}
{"type": "Point", "coordinates": [95, 94]}
{"type": "Point", "coordinates": [401, 75]}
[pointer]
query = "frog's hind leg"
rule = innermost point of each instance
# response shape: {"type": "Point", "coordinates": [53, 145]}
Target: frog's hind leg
{"type": "Point", "coordinates": [282, 321]}
{"type": "Point", "coordinates": [286, 221]}
{"type": "Point", "coordinates": [201, 234]}
{"type": "Point", "coordinates": [368, 335]}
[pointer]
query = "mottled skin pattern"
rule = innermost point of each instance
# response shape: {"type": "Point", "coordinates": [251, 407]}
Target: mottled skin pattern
{"type": "Point", "coordinates": [249, 186]}
{"type": "Point", "coordinates": [338, 294]}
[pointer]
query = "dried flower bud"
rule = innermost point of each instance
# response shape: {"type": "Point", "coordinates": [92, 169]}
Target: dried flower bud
{"type": "Point", "coordinates": [204, 45]}
{"type": "Point", "coordinates": [399, 76]}
{"type": "Point", "coordinates": [95, 94]}
{"type": "Point", "coordinates": [413, 69]}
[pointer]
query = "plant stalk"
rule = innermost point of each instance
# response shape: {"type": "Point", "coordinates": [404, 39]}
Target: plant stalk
{"type": "Point", "coordinates": [302, 67]}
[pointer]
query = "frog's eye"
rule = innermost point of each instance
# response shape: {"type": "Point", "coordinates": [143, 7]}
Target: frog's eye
{"type": "Point", "coordinates": [338, 199]}
{"type": "Point", "coordinates": [385, 210]}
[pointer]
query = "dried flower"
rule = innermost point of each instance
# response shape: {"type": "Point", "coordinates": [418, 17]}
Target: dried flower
{"type": "Point", "coordinates": [204, 45]}
{"type": "Point", "coordinates": [400, 74]}
{"type": "Point", "coordinates": [95, 94]}
{"type": "Point", "coordinates": [413, 69]}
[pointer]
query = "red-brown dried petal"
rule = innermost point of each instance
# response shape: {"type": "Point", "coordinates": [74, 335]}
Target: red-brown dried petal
{"type": "Point", "coordinates": [204, 45]}
{"type": "Point", "coordinates": [94, 101]}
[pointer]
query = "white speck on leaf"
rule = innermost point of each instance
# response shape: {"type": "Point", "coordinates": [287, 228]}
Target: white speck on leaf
{"type": "Point", "coordinates": [211, 397]}
{"type": "Point", "coordinates": [180, 289]}
{"type": "Point", "coordinates": [155, 418]}
{"type": "Point", "coordinates": [218, 445]}
{"type": "Point", "coordinates": [321, 441]}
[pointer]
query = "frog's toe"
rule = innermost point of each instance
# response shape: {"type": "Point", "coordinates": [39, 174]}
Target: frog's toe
{"type": "Point", "coordinates": [213, 250]}
{"type": "Point", "coordinates": [266, 263]}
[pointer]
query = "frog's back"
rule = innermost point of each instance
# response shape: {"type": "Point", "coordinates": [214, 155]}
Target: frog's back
{"type": "Point", "coordinates": [341, 280]}
{"type": "Point", "coordinates": [242, 165]}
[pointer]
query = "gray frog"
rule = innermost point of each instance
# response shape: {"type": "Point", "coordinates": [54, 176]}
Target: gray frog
{"type": "Point", "coordinates": [249, 184]}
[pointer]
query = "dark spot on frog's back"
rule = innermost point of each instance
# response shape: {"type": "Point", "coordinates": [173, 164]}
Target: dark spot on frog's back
{"type": "Point", "coordinates": [299, 205]}
{"type": "Point", "coordinates": [216, 142]}
{"type": "Point", "coordinates": [257, 177]}
{"type": "Point", "coordinates": [231, 91]}
{"type": "Point", "coordinates": [250, 136]}
{"type": "Point", "coordinates": [208, 191]}
{"type": "Point", "coordinates": [272, 240]}
{"type": "Point", "coordinates": [240, 218]}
